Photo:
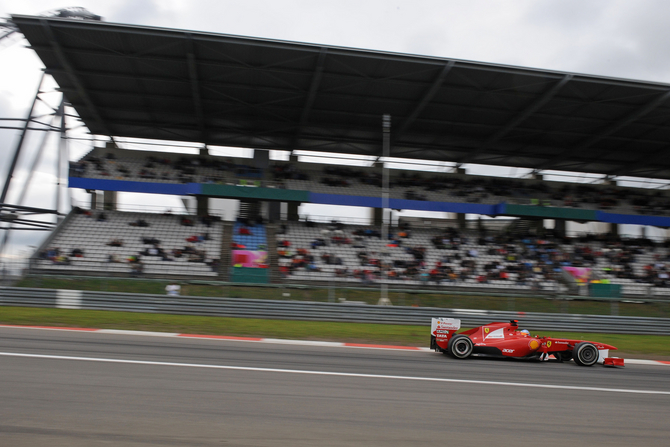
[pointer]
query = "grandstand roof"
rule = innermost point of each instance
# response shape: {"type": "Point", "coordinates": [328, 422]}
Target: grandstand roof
{"type": "Point", "coordinates": [167, 84]}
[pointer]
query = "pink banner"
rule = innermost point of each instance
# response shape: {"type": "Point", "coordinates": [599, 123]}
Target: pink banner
{"type": "Point", "coordinates": [248, 258]}
{"type": "Point", "coordinates": [581, 274]}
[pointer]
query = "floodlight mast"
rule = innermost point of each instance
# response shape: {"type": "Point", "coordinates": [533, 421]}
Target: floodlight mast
{"type": "Point", "coordinates": [8, 28]}
{"type": "Point", "coordinates": [386, 145]}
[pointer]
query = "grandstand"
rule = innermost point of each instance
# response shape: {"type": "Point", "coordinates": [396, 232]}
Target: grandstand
{"type": "Point", "coordinates": [440, 118]}
{"type": "Point", "coordinates": [120, 243]}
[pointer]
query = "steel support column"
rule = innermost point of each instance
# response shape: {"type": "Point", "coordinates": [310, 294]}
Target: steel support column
{"type": "Point", "coordinates": [19, 145]}
{"type": "Point", "coordinates": [386, 149]}
{"type": "Point", "coordinates": [63, 157]}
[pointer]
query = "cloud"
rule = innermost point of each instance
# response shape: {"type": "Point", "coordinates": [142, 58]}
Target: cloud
{"type": "Point", "coordinates": [144, 12]}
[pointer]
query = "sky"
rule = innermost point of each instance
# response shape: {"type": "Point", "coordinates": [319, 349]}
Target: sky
{"type": "Point", "coordinates": [614, 38]}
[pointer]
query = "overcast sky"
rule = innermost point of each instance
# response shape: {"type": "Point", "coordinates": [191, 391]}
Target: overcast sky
{"type": "Point", "coordinates": [616, 38]}
{"type": "Point", "coordinates": [627, 39]}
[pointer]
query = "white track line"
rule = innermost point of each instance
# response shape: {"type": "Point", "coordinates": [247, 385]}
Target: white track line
{"type": "Point", "coordinates": [146, 333]}
{"type": "Point", "coordinates": [337, 374]}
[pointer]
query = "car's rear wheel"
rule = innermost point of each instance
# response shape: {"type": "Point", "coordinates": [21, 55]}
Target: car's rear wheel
{"type": "Point", "coordinates": [585, 354]}
{"type": "Point", "coordinates": [460, 346]}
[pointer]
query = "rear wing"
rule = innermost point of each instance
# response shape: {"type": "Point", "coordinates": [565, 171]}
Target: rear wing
{"type": "Point", "coordinates": [444, 324]}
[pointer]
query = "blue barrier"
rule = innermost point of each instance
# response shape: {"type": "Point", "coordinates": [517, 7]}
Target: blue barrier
{"type": "Point", "coordinates": [500, 209]}
{"type": "Point", "coordinates": [633, 219]}
{"type": "Point", "coordinates": [178, 189]}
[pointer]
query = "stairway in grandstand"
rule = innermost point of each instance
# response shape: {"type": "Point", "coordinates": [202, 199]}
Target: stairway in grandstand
{"type": "Point", "coordinates": [520, 228]}
{"type": "Point", "coordinates": [226, 252]}
{"type": "Point", "coordinates": [273, 259]}
{"type": "Point", "coordinates": [248, 210]}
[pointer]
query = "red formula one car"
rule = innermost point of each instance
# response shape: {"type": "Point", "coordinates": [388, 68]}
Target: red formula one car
{"type": "Point", "coordinates": [507, 340]}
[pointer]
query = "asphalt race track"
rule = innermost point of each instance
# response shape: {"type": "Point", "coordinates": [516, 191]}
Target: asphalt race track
{"type": "Point", "coordinates": [90, 389]}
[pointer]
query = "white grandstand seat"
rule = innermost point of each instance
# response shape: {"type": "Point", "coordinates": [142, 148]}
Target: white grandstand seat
{"type": "Point", "coordinates": [92, 236]}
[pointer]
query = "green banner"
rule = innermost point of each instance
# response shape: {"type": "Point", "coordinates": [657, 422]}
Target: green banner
{"type": "Point", "coordinates": [550, 212]}
{"type": "Point", "coordinates": [251, 275]}
{"type": "Point", "coordinates": [254, 192]}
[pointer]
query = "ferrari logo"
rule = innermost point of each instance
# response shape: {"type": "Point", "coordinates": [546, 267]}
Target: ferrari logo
{"type": "Point", "coordinates": [486, 330]}
{"type": "Point", "coordinates": [548, 344]}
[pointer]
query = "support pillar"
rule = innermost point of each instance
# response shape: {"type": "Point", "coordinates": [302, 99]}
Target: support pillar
{"type": "Point", "coordinates": [94, 198]}
{"type": "Point", "coordinates": [274, 211]}
{"type": "Point", "coordinates": [386, 152]}
{"type": "Point", "coordinates": [202, 205]}
{"type": "Point", "coordinates": [614, 229]}
{"type": "Point", "coordinates": [559, 227]}
{"type": "Point", "coordinates": [539, 225]}
{"type": "Point", "coordinates": [63, 157]}
{"type": "Point", "coordinates": [109, 200]}
{"type": "Point", "coordinates": [460, 217]}
{"type": "Point", "coordinates": [377, 215]}
{"type": "Point", "coordinates": [292, 212]}
{"type": "Point", "coordinates": [292, 207]}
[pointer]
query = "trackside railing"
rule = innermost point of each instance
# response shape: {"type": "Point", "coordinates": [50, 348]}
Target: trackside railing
{"type": "Point", "coordinates": [314, 311]}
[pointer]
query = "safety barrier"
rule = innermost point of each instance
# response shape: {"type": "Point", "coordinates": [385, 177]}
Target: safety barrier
{"type": "Point", "coordinates": [312, 311]}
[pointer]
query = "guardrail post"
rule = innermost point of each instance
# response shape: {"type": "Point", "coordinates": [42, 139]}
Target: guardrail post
{"type": "Point", "coordinates": [614, 307]}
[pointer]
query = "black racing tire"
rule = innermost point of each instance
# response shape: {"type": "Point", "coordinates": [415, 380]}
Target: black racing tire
{"type": "Point", "coordinates": [563, 356]}
{"type": "Point", "coordinates": [585, 354]}
{"type": "Point", "coordinates": [460, 346]}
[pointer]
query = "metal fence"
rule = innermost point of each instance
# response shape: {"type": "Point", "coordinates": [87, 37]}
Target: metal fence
{"type": "Point", "coordinates": [313, 311]}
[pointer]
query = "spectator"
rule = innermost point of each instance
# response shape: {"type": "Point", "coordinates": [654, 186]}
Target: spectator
{"type": "Point", "coordinates": [77, 253]}
{"type": "Point", "coordinates": [139, 223]}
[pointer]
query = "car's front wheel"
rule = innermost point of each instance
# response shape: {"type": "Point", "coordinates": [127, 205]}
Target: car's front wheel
{"type": "Point", "coordinates": [460, 346]}
{"type": "Point", "coordinates": [585, 354]}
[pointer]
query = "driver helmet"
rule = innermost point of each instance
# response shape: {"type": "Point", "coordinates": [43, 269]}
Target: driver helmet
{"type": "Point", "coordinates": [525, 331]}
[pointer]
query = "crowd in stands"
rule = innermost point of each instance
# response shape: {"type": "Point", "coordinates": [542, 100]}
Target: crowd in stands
{"type": "Point", "coordinates": [184, 169]}
{"type": "Point", "coordinates": [449, 256]}
{"type": "Point", "coordinates": [422, 186]}
{"type": "Point", "coordinates": [430, 256]}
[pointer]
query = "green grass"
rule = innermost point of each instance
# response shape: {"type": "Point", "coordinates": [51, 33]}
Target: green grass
{"type": "Point", "coordinates": [371, 296]}
{"type": "Point", "coordinates": [650, 346]}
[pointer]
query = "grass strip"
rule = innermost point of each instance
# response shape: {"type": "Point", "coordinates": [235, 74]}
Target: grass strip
{"type": "Point", "coordinates": [647, 346]}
